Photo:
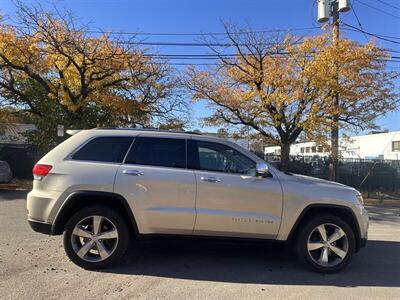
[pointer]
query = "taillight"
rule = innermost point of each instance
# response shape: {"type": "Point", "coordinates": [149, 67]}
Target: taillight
{"type": "Point", "coordinates": [40, 171]}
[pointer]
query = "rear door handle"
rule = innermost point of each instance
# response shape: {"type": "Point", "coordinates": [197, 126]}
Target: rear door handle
{"type": "Point", "coordinates": [210, 179]}
{"type": "Point", "coordinates": [132, 172]}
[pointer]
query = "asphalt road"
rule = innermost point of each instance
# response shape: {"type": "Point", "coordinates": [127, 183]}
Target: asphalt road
{"type": "Point", "coordinates": [34, 266]}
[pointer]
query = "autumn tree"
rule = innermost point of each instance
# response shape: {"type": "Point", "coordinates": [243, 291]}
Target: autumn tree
{"type": "Point", "coordinates": [60, 74]}
{"type": "Point", "coordinates": [281, 86]}
{"type": "Point", "coordinates": [7, 118]}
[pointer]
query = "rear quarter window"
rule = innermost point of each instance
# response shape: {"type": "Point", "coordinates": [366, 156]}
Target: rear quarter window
{"type": "Point", "coordinates": [104, 149]}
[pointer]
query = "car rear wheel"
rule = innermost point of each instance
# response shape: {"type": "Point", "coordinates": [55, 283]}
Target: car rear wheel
{"type": "Point", "coordinates": [96, 237]}
{"type": "Point", "coordinates": [326, 244]}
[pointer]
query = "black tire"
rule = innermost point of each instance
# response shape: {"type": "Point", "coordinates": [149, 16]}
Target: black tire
{"type": "Point", "coordinates": [305, 232]}
{"type": "Point", "coordinates": [119, 247]}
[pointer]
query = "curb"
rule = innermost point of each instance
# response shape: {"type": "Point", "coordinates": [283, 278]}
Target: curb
{"type": "Point", "coordinates": [382, 202]}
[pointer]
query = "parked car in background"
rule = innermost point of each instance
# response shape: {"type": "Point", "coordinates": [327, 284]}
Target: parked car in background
{"type": "Point", "coordinates": [102, 187]}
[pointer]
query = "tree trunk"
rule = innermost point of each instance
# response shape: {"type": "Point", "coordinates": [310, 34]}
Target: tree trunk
{"type": "Point", "coordinates": [285, 151]}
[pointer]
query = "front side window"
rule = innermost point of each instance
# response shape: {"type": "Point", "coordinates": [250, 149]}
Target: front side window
{"type": "Point", "coordinates": [160, 152]}
{"type": "Point", "coordinates": [104, 149]}
{"type": "Point", "coordinates": [217, 157]}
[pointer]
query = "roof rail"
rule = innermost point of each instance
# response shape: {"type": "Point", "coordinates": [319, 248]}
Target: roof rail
{"type": "Point", "coordinates": [72, 131]}
{"type": "Point", "coordinates": [149, 129]}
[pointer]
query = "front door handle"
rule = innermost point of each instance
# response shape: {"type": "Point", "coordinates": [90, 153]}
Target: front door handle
{"type": "Point", "coordinates": [210, 179]}
{"type": "Point", "coordinates": [132, 172]}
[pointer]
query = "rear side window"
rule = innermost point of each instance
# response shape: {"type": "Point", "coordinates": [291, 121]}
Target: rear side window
{"type": "Point", "coordinates": [160, 152]}
{"type": "Point", "coordinates": [104, 149]}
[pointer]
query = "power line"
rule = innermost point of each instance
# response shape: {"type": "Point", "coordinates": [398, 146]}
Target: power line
{"type": "Point", "coordinates": [175, 60]}
{"type": "Point", "coordinates": [189, 44]}
{"type": "Point", "coordinates": [178, 44]}
{"type": "Point", "coordinates": [377, 34]}
{"type": "Point", "coordinates": [219, 56]}
{"type": "Point", "coordinates": [389, 4]}
{"type": "Point", "coordinates": [138, 33]}
{"type": "Point", "coordinates": [207, 56]}
{"type": "Point", "coordinates": [371, 34]}
{"type": "Point", "coordinates": [193, 55]}
{"type": "Point", "coordinates": [390, 50]}
{"type": "Point", "coordinates": [231, 45]}
{"type": "Point", "coordinates": [358, 20]}
{"type": "Point", "coordinates": [189, 64]}
{"type": "Point", "coordinates": [198, 33]}
{"type": "Point", "coordinates": [378, 9]}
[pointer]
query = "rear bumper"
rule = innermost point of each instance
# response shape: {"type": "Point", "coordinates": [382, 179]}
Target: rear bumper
{"type": "Point", "coordinates": [41, 227]}
{"type": "Point", "coordinates": [42, 205]}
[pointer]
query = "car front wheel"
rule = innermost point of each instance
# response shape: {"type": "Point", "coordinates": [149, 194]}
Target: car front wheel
{"type": "Point", "coordinates": [326, 244]}
{"type": "Point", "coordinates": [96, 237]}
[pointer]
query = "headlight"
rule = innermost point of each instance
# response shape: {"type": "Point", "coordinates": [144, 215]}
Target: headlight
{"type": "Point", "coordinates": [360, 199]}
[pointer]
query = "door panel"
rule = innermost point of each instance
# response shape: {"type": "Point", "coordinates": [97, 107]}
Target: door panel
{"type": "Point", "coordinates": [237, 205]}
{"type": "Point", "coordinates": [162, 199]}
{"type": "Point", "coordinates": [157, 185]}
{"type": "Point", "coordinates": [231, 200]}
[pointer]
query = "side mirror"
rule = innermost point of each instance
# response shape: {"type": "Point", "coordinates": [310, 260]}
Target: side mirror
{"type": "Point", "coordinates": [262, 169]}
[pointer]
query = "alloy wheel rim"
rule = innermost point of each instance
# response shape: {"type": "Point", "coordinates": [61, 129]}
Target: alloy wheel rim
{"type": "Point", "coordinates": [94, 238]}
{"type": "Point", "coordinates": [327, 245]}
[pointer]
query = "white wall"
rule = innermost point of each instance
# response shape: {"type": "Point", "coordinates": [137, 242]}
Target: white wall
{"type": "Point", "coordinates": [373, 146]}
{"type": "Point", "coordinates": [364, 146]}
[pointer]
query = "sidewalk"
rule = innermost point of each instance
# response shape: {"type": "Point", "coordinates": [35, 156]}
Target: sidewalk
{"type": "Point", "coordinates": [382, 201]}
{"type": "Point", "coordinates": [17, 185]}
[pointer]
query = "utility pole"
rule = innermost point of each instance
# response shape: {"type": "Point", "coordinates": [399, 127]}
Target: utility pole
{"type": "Point", "coordinates": [327, 9]}
{"type": "Point", "coordinates": [335, 117]}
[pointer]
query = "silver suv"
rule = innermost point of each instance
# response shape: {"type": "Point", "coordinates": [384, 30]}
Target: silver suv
{"type": "Point", "coordinates": [101, 187]}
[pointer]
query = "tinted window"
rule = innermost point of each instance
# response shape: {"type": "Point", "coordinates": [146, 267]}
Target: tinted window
{"type": "Point", "coordinates": [219, 158]}
{"type": "Point", "coordinates": [104, 149]}
{"type": "Point", "coordinates": [161, 152]}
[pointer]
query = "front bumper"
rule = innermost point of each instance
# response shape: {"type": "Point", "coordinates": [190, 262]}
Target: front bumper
{"type": "Point", "coordinates": [363, 222]}
{"type": "Point", "coordinates": [363, 243]}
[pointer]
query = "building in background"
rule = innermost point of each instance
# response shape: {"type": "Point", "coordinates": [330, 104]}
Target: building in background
{"type": "Point", "coordinates": [382, 145]}
{"type": "Point", "coordinates": [13, 133]}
